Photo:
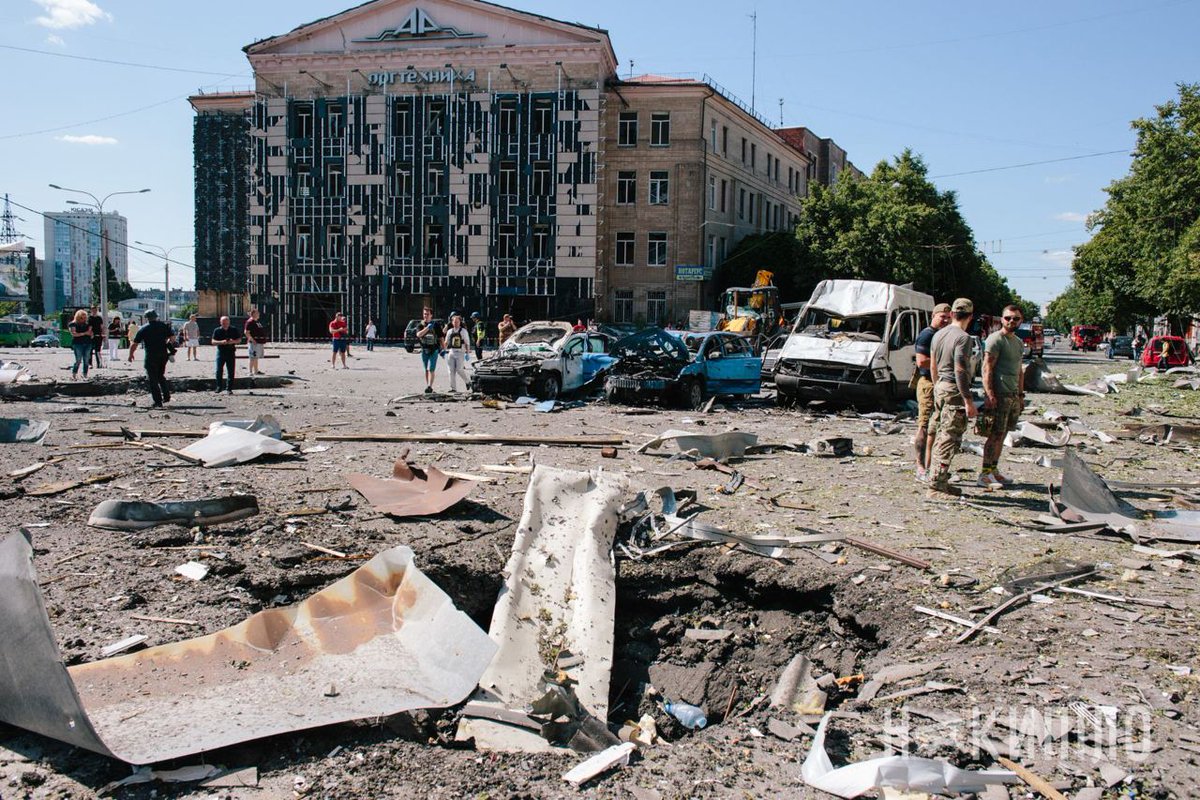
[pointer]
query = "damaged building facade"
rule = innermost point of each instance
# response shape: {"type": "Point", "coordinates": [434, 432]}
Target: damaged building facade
{"type": "Point", "coordinates": [466, 155]}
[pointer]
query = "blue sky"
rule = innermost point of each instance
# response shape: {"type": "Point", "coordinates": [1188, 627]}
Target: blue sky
{"type": "Point", "coordinates": [970, 86]}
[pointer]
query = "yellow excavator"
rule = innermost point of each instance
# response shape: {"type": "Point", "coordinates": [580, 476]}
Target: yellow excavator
{"type": "Point", "coordinates": [753, 311]}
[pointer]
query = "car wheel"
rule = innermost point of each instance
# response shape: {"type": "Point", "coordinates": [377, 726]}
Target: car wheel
{"type": "Point", "coordinates": [549, 386]}
{"type": "Point", "coordinates": [410, 348]}
{"type": "Point", "coordinates": [693, 395]}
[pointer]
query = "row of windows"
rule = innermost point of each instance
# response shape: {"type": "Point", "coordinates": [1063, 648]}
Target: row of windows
{"type": "Point", "coordinates": [540, 120]}
{"type": "Point", "coordinates": [539, 244]}
{"type": "Point", "coordinates": [659, 188]}
{"type": "Point", "coordinates": [656, 249]}
{"type": "Point", "coordinates": [656, 306]}
{"type": "Point", "coordinates": [795, 181]}
{"type": "Point", "coordinates": [660, 129]}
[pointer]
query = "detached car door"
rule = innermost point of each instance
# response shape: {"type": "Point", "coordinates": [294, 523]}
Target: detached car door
{"type": "Point", "coordinates": [595, 357]}
{"type": "Point", "coordinates": [572, 362]}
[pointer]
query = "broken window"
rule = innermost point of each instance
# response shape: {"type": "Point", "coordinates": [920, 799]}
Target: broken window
{"type": "Point", "coordinates": [659, 188]}
{"type": "Point", "coordinates": [404, 180]}
{"type": "Point", "coordinates": [303, 242]}
{"type": "Point", "coordinates": [542, 179]}
{"type": "Point", "coordinates": [336, 120]}
{"type": "Point", "coordinates": [508, 178]}
{"type": "Point", "coordinates": [403, 241]}
{"type": "Point", "coordinates": [625, 249]}
{"type": "Point", "coordinates": [507, 117]}
{"type": "Point", "coordinates": [627, 129]}
{"type": "Point", "coordinates": [543, 117]}
{"type": "Point", "coordinates": [334, 242]}
{"type": "Point", "coordinates": [435, 185]}
{"type": "Point", "coordinates": [435, 117]}
{"type": "Point", "coordinates": [623, 305]}
{"type": "Point", "coordinates": [656, 248]}
{"type": "Point", "coordinates": [335, 183]}
{"type": "Point", "coordinates": [656, 307]}
{"type": "Point", "coordinates": [302, 121]}
{"type": "Point", "coordinates": [506, 241]}
{"type": "Point", "coordinates": [435, 242]}
{"type": "Point", "coordinates": [626, 188]}
{"type": "Point", "coordinates": [539, 243]}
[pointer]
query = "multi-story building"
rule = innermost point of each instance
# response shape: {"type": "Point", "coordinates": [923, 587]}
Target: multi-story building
{"type": "Point", "coordinates": [828, 159]}
{"type": "Point", "coordinates": [465, 155]}
{"type": "Point", "coordinates": [689, 172]}
{"type": "Point", "coordinates": [72, 258]}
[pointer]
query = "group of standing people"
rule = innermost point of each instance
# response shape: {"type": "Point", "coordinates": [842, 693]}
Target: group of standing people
{"type": "Point", "coordinates": [87, 339]}
{"type": "Point", "coordinates": [946, 404]}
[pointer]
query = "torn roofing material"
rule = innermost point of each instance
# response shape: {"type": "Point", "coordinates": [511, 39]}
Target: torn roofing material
{"type": "Point", "coordinates": [385, 635]}
{"type": "Point", "coordinates": [137, 515]}
{"type": "Point", "coordinates": [720, 446]}
{"type": "Point", "coordinates": [237, 441]}
{"type": "Point", "coordinates": [1085, 493]}
{"type": "Point", "coordinates": [559, 595]}
{"type": "Point", "coordinates": [411, 491]}
{"type": "Point", "coordinates": [13, 431]}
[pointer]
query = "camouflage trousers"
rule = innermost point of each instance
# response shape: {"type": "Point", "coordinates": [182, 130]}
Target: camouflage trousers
{"type": "Point", "coordinates": [950, 422]}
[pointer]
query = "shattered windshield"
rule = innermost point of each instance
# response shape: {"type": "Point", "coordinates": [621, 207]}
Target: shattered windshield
{"type": "Point", "coordinates": [652, 343]}
{"type": "Point", "coordinates": [863, 327]}
{"type": "Point", "coordinates": [535, 338]}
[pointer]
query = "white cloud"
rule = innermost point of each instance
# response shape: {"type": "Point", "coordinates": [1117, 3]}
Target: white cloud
{"type": "Point", "coordinates": [1059, 258]}
{"type": "Point", "coordinates": [1071, 216]}
{"type": "Point", "coordinates": [62, 14]}
{"type": "Point", "coordinates": [88, 139]}
{"type": "Point", "coordinates": [56, 40]}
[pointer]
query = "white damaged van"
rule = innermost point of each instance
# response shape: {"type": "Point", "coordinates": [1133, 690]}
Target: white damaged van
{"type": "Point", "coordinates": [853, 342]}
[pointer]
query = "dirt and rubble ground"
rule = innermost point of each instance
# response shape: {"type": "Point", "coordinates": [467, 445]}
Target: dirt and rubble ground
{"type": "Point", "coordinates": [1083, 692]}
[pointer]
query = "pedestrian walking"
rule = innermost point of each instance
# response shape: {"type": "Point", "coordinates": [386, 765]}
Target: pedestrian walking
{"type": "Point", "coordinates": [953, 404]}
{"type": "Point", "coordinates": [924, 441]}
{"type": "Point", "coordinates": [372, 332]}
{"type": "Point", "coordinates": [256, 341]}
{"type": "Point", "coordinates": [81, 343]}
{"type": "Point", "coordinates": [97, 324]}
{"type": "Point", "coordinates": [226, 338]}
{"type": "Point", "coordinates": [131, 330]}
{"type": "Point", "coordinates": [1004, 390]}
{"type": "Point", "coordinates": [429, 334]}
{"type": "Point", "coordinates": [480, 333]}
{"type": "Point", "coordinates": [155, 337]}
{"type": "Point", "coordinates": [115, 329]}
{"type": "Point", "coordinates": [191, 338]}
{"type": "Point", "coordinates": [506, 328]}
{"type": "Point", "coordinates": [339, 330]}
{"type": "Point", "coordinates": [457, 344]}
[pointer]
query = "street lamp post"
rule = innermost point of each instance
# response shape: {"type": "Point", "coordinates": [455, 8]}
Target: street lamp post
{"type": "Point", "coordinates": [99, 205]}
{"type": "Point", "coordinates": [165, 252]}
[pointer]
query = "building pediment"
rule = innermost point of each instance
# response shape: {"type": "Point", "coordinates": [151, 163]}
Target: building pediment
{"type": "Point", "coordinates": [390, 25]}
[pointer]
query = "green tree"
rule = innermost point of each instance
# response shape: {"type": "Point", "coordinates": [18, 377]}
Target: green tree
{"type": "Point", "coordinates": [1144, 257]}
{"type": "Point", "coordinates": [893, 226]}
{"type": "Point", "coordinates": [117, 290]}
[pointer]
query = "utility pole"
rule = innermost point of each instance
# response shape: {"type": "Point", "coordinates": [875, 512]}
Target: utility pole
{"type": "Point", "coordinates": [781, 112]}
{"type": "Point", "coordinates": [754, 60]}
{"type": "Point", "coordinates": [99, 206]}
{"type": "Point", "coordinates": [165, 252]}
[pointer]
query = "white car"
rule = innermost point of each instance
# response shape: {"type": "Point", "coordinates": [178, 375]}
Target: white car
{"type": "Point", "coordinates": [544, 359]}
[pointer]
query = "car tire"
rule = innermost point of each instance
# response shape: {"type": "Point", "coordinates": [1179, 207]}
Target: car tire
{"type": "Point", "coordinates": [549, 386]}
{"type": "Point", "coordinates": [410, 348]}
{"type": "Point", "coordinates": [693, 395]}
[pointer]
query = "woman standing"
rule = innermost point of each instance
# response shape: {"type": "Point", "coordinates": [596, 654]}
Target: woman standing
{"type": "Point", "coordinates": [81, 342]}
{"type": "Point", "coordinates": [115, 332]}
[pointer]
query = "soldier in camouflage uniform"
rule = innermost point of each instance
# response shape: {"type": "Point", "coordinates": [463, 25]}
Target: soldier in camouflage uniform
{"type": "Point", "coordinates": [953, 404]}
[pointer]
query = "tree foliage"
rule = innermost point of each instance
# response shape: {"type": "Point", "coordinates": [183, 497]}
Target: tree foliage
{"type": "Point", "coordinates": [117, 290]}
{"type": "Point", "coordinates": [1144, 257]}
{"type": "Point", "coordinates": [893, 226]}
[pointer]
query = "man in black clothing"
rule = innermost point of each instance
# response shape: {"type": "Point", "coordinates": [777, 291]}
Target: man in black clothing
{"type": "Point", "coordinates": [226, 339]}
{"type": "Point", "coordinates": [96, 322]}
{"type": "Point", "coordinates": [154, 336]}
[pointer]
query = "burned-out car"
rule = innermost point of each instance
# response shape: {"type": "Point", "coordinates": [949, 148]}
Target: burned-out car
{"type": "Point", "coordinates": [656, 366]}
{"type": "Point", "coordinates": [544, 359]}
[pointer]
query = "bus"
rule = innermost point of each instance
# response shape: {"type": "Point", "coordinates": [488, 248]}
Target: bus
{"type": "Point", "coordinates": [16, 334]}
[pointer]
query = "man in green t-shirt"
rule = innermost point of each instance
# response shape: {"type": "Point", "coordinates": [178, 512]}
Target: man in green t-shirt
{"type": "Point", "coordinates": [1004, 388]}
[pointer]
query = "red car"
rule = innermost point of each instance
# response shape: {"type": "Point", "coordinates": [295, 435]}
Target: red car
{"type": "Point", "coordinates": [1165, 352]}
{"type": "Point", "coordinates": [1085, 337]}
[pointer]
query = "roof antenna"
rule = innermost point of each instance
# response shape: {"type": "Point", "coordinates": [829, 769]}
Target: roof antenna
{"type": "Point", "coordinates": [753, 60]}
{"type": "Point", "coordinates": [781, 112]}
{"type": "Point", "coordinates": [631, 68]}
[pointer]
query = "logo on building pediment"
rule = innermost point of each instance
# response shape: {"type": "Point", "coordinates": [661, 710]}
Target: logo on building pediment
{"type": "Point", "coordinates": [419, 25]}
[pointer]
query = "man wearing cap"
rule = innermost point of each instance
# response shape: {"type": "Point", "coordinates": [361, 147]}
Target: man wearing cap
{"type": "Point", "coordinates": [953, 405]}
{"type": "Point", "coordinates": [924, 441]}
{"type": "Point", "coordinates": [154, 336]}
{"type": "Point", "coordinates": [1004, 388]}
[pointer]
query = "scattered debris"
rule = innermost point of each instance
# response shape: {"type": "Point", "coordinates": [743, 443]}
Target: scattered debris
{"type": "Point", "coordinates": [1021, 598]}
{"type": "Point", "coordinates": [718, 446]}
{"type": "Point", "coordinates": [474, 438]}
{"type": "Point", "coordinates": [833, 447]}
{"type": "Point", "coordinates": [128, 643]}
{"type": "Point", "coordinates": [137, 515]}
{"type": "Point", "coordinates": [902, 772]}
{"type": "Point", "coordinates": [797, 690]}
{"type": "Point", "coordinates": [411, 491]}
{"type": "Point", "coordinates": [603, 761]}
{"type": "Point", "coordinates": [193, 570]}
{"type": "Point", "coordinates": [51, 489]}
{"type": "Point", "coordinates": [1034, 782]}
{"type": "Point", "coordinates": [238, 441]}
{"type": "Point", "coordinates": [391, 614]}
{"type": "Point", "coordinates": [880, 550]}
{"type": "Point", "coordinates": [22, 431]}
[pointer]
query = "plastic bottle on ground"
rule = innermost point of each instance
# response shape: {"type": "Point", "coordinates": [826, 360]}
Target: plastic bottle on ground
{"type": "Point", "coordinates": [689, 716]}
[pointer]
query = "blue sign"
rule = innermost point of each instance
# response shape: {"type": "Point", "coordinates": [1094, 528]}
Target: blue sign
{"type": "Point", "coordinates": [690, 272]}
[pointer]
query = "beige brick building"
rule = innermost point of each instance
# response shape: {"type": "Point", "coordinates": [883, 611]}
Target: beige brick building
{"type": "Point", "coordinates": [688, 172]}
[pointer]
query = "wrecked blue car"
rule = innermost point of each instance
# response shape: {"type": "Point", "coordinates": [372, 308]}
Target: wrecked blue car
{"type": "Point", "coordinates": [544, 359]}
{"type": "Point", "coordinates": [682, 368]}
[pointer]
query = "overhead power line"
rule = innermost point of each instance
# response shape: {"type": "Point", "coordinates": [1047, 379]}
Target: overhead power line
{"type": "Point", "coordinates": [1029, 164]}
{"type": "Point", "coordinates": [158, 67]}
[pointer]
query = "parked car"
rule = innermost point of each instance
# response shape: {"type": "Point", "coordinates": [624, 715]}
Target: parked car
{"type": "Point", "coordinates": [544, 359]}
{"type": "Point", "coordinates": [1165, 352]}
{"type": "Point", "coordinates": [1121, 346]}
{"type": "Point", "coordinates": [1085, 337]}
{"type": "Point", "coordinates": [410, 332]}
{"type": "Point", "coordinates": [656, 366]}
{"type": "Point", "coordinates": [1033, 339]}
{"type": "Point", "coordinates": [45, 340]}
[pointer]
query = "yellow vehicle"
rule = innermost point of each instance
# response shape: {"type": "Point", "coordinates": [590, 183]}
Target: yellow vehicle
{"type": "Point", "coordinates": [753, 311]}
